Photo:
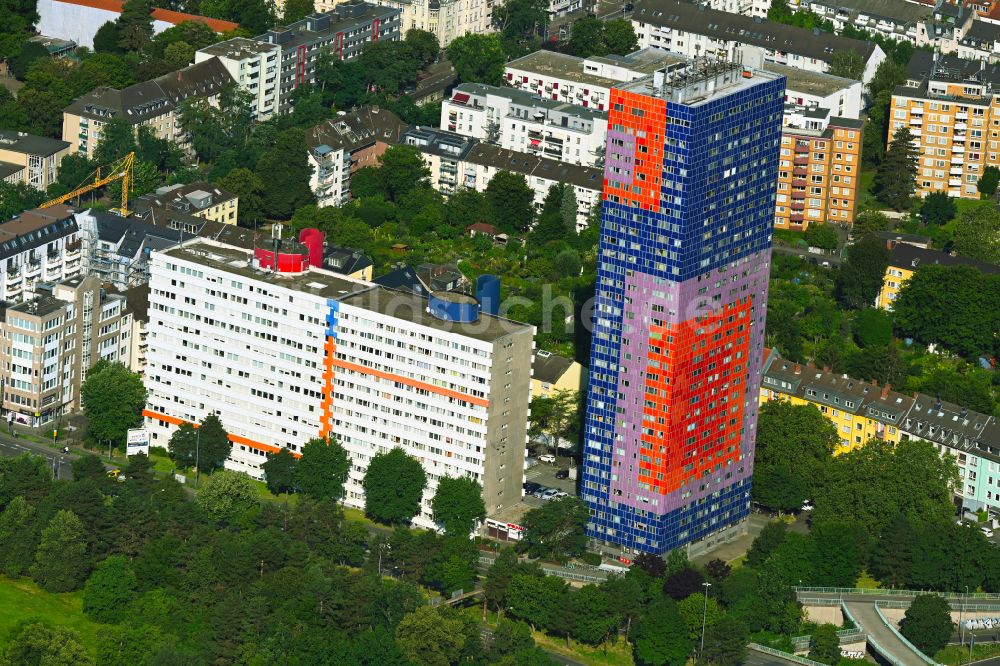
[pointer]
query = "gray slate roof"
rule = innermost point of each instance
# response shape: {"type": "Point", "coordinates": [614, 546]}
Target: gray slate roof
{"type": "Point", "coordinates": [30, 144]}
{"type": "Point", "coordinates": [723, 26]}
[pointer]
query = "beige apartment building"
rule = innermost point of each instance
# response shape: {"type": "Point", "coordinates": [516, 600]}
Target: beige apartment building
{"type": "Point", "coordinates": [156, 104]}
{"type": "Point", "coordinates": [445, 19]}
{"type": "Point", "coordinates": [200, 199]}
{"type": "Point", "coordinates": [47, 345]}
{"type": "Point", "coordinates": [29, 159]}
{"type": "Point", "coordinates": [955, 123]}
{"type": "Point", "coordinates": [819, 169]}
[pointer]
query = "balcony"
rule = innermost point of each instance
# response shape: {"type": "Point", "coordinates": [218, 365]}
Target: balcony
{"type": "Point", "coordinates": [799, 171]}
{"type": "Point", "coordinates": [796, 217]}
{"type": "Point", "coordinates": [802, 147]}
{"type": "Point", "coordinates": [955, 171]}
{"type": "Point", "coordinates": [957, 159]}
{"type": "Point", "coordinates": [798, 205]}
{"type": "Point", "coordinates": [33, 269]}
{"type": "Point", "coordinates": [961, 115]}
{"type": "Point", "coordinates": [916, 120]}
{"type": "Point", "coordinates": [917, 111]}
{"type": "Point", "coordinates": [801, 161]}
{"type": "Point", "coordinates": [798, 182]}
{"type": "Point", "coordinates": [958, 149]}
{"type": "Point", "coordinates": [961, 127]}
{"type": "Point", "coordinates": [798, 195]}
{"type": "Point", "coordinates": [954, 182]}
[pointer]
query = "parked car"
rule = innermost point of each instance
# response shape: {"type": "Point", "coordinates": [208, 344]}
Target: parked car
{"type": "Point", "coordinates": [559, 494]}
{"type": "Point", "coordinates": [550, 493]}
{"type": "Point", "coordinates": [987, 531]}
{"type": "Point", "coordinates": [541, 491]}
{"type": "Point", "coordinates": [562, 474]}
{"type": "Point", "coordinates": [531, 487]}
{"type": "Point", "coordinates": [547, 458]}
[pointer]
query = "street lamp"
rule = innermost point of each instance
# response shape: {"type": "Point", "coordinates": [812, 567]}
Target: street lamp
{"type": "Point", "coordinates": [197, 459]}
{"type": "Point", "coordinates": [704, 616]}
{"type": "Point", "coordinates": [961, 612]}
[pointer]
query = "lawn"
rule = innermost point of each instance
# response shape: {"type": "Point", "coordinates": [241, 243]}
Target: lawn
{"type": "Point", "coordinates": [610, 654]}
{"type": "Point", "coordinates": [22, 600]}
{"type": "Point", "coordinates": [866, 197]}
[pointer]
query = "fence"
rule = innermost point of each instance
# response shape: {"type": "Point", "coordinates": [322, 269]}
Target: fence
{"type": "Point", "coordinates": [864, 591]}
{"type": "Point", "coordinates": [486, 560]}
{"type": "Point", "coordinates": [757, 647]}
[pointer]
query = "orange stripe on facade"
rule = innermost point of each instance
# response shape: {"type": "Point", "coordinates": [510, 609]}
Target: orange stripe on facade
{"type": "Point", "coordinates": [235, 439]}
{"type": "Point", "coordinates": [326, 407]}
{"type": "Point", "coordinates": [482, 402]}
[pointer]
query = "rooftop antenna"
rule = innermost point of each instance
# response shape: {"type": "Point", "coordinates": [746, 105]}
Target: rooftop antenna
{"type": "Point", "coordinates": [276, 239]}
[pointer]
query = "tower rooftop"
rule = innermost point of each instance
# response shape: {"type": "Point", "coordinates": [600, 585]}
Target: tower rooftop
{"type": "Point", "coordinates": [698, 81]}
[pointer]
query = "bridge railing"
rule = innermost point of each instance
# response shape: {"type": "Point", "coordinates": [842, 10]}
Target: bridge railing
{"type": "Point", "coordinates": [895, 593]}
{"type": "Point", "coordinates": [784, 655]}
{"type": "Point", "coordinates": [923, 657]}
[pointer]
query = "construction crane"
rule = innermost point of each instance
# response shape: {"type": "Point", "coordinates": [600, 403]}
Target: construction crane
{"type": "Point", "coordinates": [120, 170]}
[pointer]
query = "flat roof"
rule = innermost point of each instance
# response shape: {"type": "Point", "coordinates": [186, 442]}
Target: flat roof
{"type": "Point", "coordinates": [688, 84]}
{"type": "Point", "coordinates": [327, 284]}
{"type": "Point", "coordinates": [239, 48]}
{"type": "Point", "coordinates": [812, 83]}
{"type": "Point", "coordinates": [561, 65]}
{"type": "Point", "coordinates": [525, 98]}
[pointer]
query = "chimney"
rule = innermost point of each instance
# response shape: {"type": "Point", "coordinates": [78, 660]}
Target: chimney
{"type": "Point", "coordinates": [885, 391]}
{"type": "Point", "coordinates": [826, 368]}
{"type": "Point", "coordinates": [798, 369]}
{"type": "Point", "coordinates": [874, 383]}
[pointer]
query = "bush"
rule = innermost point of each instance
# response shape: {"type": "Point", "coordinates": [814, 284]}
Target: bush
{"type": "Point", "coordinates": [593, 559]}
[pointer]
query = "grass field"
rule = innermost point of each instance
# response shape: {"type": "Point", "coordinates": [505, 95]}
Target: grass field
{"type": "Point", "coordinates": [953, 655]}
{"type": "Point", "coordinates": [21, 600]}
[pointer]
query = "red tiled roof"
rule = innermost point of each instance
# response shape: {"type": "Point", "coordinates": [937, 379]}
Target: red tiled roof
{"type": "Point", "coordinates": [165, 15]}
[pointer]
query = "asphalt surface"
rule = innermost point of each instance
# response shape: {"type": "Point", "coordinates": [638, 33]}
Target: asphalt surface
{"type": "Point", "coordinates": [887, 639]}
{"type": "Point", "coordinates": [60, 462]}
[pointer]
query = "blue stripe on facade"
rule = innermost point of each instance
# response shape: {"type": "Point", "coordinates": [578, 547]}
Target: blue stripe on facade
{"type": "Point", "coordinates": [331, 317]}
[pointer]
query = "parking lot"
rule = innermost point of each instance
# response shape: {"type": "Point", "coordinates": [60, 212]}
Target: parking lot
{"type": "Point", "coordinates": [545, 474]}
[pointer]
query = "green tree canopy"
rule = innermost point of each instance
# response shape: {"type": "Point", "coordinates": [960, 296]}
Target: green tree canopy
{"type": "Point", "coordinates": [18, 538]}
{"type": "Point", "coordinates": [822, 236]}
{"type": "Point", "coordinates": [323, 469]}
{"type": "Point", "coordinates": [61, 561]}
{"type": "Point", "coordinates": [280, 472]}
{"type": "Point", "coordinates": [794, 446]}
{"type": "Point", "coordinates": [873, 328]}
{"type": "Point", "coordinates": [512, 201]}
{"type": "Point", "coordinates": [661, 637]}
{"type": "Point", "coordinates": [954, 306]}
{"type": "Point", "coordinates": [937, 208]}
{"type": "Point", "coordinates": [112, 398]}
{"type": "Point", "coordinates": [431, 636]}
{"type": "Point", "coordinates": [825, 645]}
{"type": "Point", "coordinates": [215, 446]}
{"type": "Point", "coordinates": [478, 58]}
{"type": "Point", "coordinates": [284, 169]}
{"type": "Point", "coordinates": [394, 484]}
{"type": "Point", "coordinates": [895, 180]}
{"type": "Point", "coordinates": [458, 505]}
{"type": "Point", "coordinates": [870, 221]}
{"type": "Point", "coordinates": [987, 184]}
{"type": "Point", "coordinates": [227, 495]}
{"type": "Point", "coordinates": [847, 63]}
{"type": "Point", "coordinates": [37, 643]}
{"type": "Point", "coordinates": [184, 447]}
{"type": "Point", "coordinates": [248, 186]}
{"type": "Point", "coordinates": [927, 623]}
{"type": "Point", "coordinates": [977, 233]}
{"type": "Point", "coordinates": [860, 277]}
{"type": "Point", "coordinates": [402, 169]}
{"type": "Point", "coordinates": [872, 484]}
{"type": "Point", "coordinates": [556, 528]}
{"type": "Point", "coordinates": [109, 590]}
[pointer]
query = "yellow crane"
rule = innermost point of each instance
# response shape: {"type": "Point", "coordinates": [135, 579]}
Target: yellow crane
{"type": "Point", "coordinates": [120, 170]}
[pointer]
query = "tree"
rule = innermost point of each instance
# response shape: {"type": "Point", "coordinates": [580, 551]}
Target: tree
{"type": "Point", "coordinates": [682, 584]}
{"type": "Point", "coordinates": [769, 539]}
{"type": "Point", "coordinates": [112, 398]}
{"type": "Point", "coordinates": [245, 184]}
{"type": "Point", "coordinates": [927, 623]}
{"type": "Point", "coordinates": [478, 58]}
{"type": "Point", "coordinates": [184, 447]}
{"type": "Point", "coordinates": [557, 528]}
{"type": "Point", "coordinates": [37, 643]}
{"type": "Point", "coordinates": [695, 608]}
{"type": "Point", "coordinates": [214, 446]}
{"type": "Point", "coordinates": [859, 280]}
{"type": "Point", "coordinates": [841, 547]}
{"type": "Point", "coordinates": [285, 172]}
{"type": "Point", "coordinates": [512, 201]}
{"type": "Point", "coordinates": [227, 495]}
{"type": "Point", "coordinates": [895, 180]}
{"type": "Point", "coordinates": [520, 20]}
{"type": "Point", "coordinates": [650, 563]}
{"type": "Point", "coordinates": [108, 38]}
{"type": "Point", "coordinates": [873, 328]}
{"type": "Point", "coordinates": [18, 538]}
{"type": "Point", "coordinates": [717, 569]}
{"type": "Point", "coordinates": [25, 476]}
{"type": "Point", "coordinates": [822, 236]}
{"type": "Point", "coordinates": [431, 636]}
{"type": "Point", "coordinates": [109, 590]}
{"type": "Point", "coordinates": [458, 505]}
{"type": "Point", "coordinates": [953, 306]}
{"type": "Point", "coordinates": [550, 226]}
{"type": "Point", "coordinates": [619, 37]}
{"type": "Point", "coordinates": [794, 444]}
{"type": "Point", "coordinates": [18, 197]}
{"type": "Point", "coordinates": [873, 484]}
{"type": "Point", "coordinates": [403, 169]}
{"type": "Point", "coordinates": [977, 233]}
{"type": "Point", "coordinates": [871, 221]}
{"type": "Point", "coordinates": [296, 10]}
{"type": "Point", "coordinates": [323, 469]}
{"type": "Point", "coordinates": [538, 600]}
{"type": "Point", "coordinates": [938, 208]}
{"type": "Point", "coordinates": [135, 25]}
{"type": "Point", "coordinates": [847, 63]}
{"type": "Point", "coordinates": [587, 37]}
{"type": "Point", "coordinates": [279, 472]}
{"type": "Point", "coordinates": [987, 183]}
{"type": "Point", "coordinates": [725, 642]}
{"type": "Point", "coordinates": [30, 52]}
{"type": "Point", "coordinates": [424, 43]}
{"type": "Point", "coordinates": [61, 561]}
{"type": "Point", "coordinates": [394, 484]}
{"type": "Point", "coordinates": [593, 618]}
{"type": "Point", "coordinates": [661, 636]}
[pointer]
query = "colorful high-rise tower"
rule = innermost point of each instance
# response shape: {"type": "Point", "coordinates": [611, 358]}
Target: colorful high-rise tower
{"type": "Point", "coordinates": [684, 259]}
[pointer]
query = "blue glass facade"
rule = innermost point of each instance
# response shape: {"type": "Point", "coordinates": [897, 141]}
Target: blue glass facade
{"type": "Point", "coordinates": [672, 253]}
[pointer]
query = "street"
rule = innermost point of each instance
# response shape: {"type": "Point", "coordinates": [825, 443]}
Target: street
{"type": "Point", "coordinates": [61, 462]}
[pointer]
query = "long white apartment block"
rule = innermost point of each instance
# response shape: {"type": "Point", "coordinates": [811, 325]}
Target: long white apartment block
{"type": "Point", "coordinates": [525, 122]}
{"type": "Point", "coordinates": [283, 357]}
